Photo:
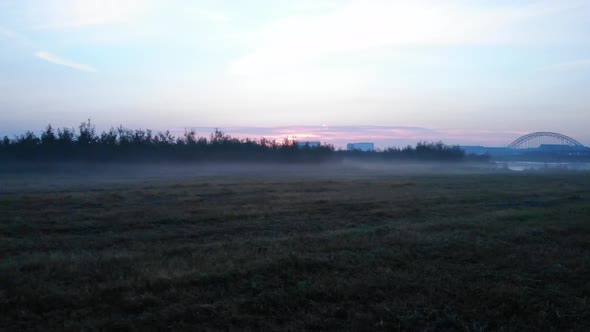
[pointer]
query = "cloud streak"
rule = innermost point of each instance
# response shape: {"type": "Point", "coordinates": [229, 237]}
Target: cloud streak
{"type": "Point", "coordinates": [567, 66]}
{"type": "Point", "coordinates": [213, 16]}
{"type": "Point", "coordinates": [362, 25]}
{"type": "Point", "coordinates": [66, 14]}
{"type": "Point", "coordinates": [5, 33]}
{"type": "Point", "coordinates": [382, 136]}
{"type": "Point", "coordinates": [64, 62]}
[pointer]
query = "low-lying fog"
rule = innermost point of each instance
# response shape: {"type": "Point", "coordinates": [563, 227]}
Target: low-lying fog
{"type": "Point", "coordinates": [88, 176]}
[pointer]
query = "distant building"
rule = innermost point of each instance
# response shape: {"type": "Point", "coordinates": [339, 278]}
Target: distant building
{"type": "Point", "coordinates": [360, 147]}
{"type": "Point", "coordinates": [308, 144]}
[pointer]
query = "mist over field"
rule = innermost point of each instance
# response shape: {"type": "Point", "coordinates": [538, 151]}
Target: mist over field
{"type": "Point", "coordinates": [59, 176]}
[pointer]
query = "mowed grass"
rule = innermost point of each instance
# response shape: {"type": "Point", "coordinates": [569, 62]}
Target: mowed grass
{"type": "Point", "coordinates": [478, 252]}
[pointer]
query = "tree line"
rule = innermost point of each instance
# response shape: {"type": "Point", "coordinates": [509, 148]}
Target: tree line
{"type": "Point", "coordinates": [122, 144]}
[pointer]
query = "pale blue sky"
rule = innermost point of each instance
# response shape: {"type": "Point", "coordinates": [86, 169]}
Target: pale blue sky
{"type": "Point", "coordinates": [470, 71]}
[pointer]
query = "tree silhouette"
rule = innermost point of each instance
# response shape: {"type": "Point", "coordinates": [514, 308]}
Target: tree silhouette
{"type": "Point", "coordinates": [123, 144]}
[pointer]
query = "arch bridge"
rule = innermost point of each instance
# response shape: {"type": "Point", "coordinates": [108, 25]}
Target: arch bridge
{"type": "Point", "coordinates": [536, 139]}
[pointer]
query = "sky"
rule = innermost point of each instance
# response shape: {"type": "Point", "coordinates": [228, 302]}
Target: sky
{"type": "Point", "coordinates": [469, 72]}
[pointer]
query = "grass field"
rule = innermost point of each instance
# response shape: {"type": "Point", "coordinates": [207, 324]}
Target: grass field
{"type": "Point", "coordinates": [326, 251]}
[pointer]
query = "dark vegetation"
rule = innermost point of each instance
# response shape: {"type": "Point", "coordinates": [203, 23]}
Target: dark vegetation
{"type": "Point", "coordinates": [122, 144]}
{"type": "Point", "coordinates": [364, 252]}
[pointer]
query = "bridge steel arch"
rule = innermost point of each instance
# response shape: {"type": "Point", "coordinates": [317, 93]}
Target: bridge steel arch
{"type": "Point", "coordinates": [538, 138]}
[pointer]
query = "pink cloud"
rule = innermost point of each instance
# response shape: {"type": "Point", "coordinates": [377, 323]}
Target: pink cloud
{"type": "Point", "coordinates": [382, 136]}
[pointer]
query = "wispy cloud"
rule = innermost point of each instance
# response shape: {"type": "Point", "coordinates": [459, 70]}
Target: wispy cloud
{"type": "Point", "coordinates": [64, 62]}
{"type": "Point", "coordinates": [567, 66]}
{"type": "Point", "coordinates": [213, 16]}
{"type": "Point", "coordinates": [64, 14]}
{"type": "Point", "coordinates": [5, 33]}
{"type": "Point", "coordinates": [367, 25]}
{"type": "Point", "coordinates": [382, 136]}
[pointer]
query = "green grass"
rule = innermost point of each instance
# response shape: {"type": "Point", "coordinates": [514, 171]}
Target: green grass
{"type": "Point", "coordinates": [478, 252]}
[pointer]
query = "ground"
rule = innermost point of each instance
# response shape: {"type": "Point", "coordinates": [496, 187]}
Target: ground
{"type": "Point", "coordinates": [326, 250]}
